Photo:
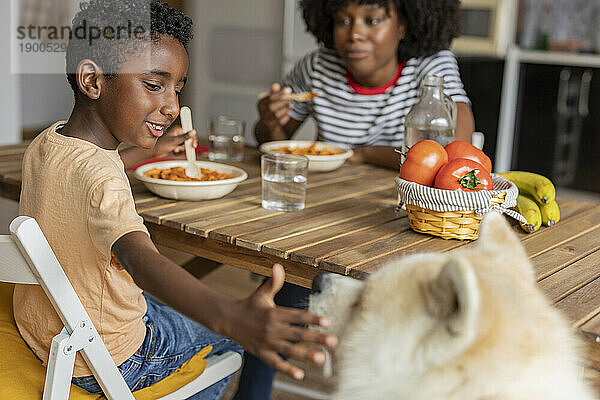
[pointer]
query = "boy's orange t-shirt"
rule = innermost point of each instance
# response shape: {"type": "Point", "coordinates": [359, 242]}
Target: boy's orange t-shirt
{"type": "Point", "coordinates": [81, 198]}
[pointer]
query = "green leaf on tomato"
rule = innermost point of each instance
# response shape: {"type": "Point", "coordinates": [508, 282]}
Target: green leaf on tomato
{"type": "Point", "coordinates": [470, 180]}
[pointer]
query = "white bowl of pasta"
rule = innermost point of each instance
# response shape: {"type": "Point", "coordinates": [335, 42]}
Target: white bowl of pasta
{"type": "Point", "coordinates": [322, 156]}
{"type": "Point", "coordinates": [163, 178]}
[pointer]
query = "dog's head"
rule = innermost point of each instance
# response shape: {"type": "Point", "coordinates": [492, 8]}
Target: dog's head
{"type": "Point", "coordinates": [452, 325]}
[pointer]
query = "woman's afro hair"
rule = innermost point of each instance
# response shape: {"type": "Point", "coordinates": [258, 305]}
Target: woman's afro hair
{"type": "Point", "coordinates": [430, 24]}
{"type": "Point", "coordinates": [109, 51]}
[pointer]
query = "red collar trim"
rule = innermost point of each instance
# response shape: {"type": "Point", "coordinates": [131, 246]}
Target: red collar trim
{"type": "Point", "coordinates": [369, 91]}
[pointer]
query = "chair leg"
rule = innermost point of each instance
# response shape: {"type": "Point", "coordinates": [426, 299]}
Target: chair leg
{"type": "Point", "coordinates": [105, 371]}
{"type": "Point", "coordinates": [60, 369]}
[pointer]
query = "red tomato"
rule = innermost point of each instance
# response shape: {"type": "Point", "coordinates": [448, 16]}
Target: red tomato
{"type": "Point", "coordinates": [423, 161]}
{"type": "Point", "coordinates": [462, 149]}
{"type": "Point", "coordinates": [463, 174]}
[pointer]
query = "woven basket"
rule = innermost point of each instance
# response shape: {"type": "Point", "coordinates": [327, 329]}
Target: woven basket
{"type": "Point", "coordinates": [462, 225]}
{"type": "Point", "coordinates": [454, 220]}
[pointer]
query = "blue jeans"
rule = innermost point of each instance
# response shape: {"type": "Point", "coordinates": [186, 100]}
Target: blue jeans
{"type": "Point", "coordinates": [256, 380]}
{"type": "Point", "coordinates": [171, 339]}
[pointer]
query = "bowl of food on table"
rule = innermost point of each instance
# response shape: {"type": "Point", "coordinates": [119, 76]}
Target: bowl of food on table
{"type": "Point", "coordinates": [168, 179]}
{"type": "Point", "coordinates": [322, 156]}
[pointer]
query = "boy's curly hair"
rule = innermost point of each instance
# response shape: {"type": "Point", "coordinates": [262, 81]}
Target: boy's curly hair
{"type": "Point", "coordinates": [109, 50]}
{"type": "Point", "coordinates": [430, 24]}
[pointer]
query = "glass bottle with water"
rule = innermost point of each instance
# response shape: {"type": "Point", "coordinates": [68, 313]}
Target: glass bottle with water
{"type": "Point", "coordinates": [433, 117]}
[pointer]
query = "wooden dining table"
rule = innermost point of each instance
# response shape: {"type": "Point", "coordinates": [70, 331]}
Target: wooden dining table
{"type": "Point", "coordinates": [351, 226]}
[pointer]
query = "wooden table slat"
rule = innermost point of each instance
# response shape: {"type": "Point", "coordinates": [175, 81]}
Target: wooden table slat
{"type": "Point", "coordinates": [313, 254]}
{"type": "Point", "coordinates": [557, 258]}
{"type": "Point", "coordinates": [7, 150]}
{"type": "Point", "coordinates": [572, 210]}
{"type": "Point", "coordinates": [591, 329]}
{"type": "Point", "coordinates": [156, 202]}
{"type": "Point", "coordinates": [419, 244]}
{"type": "Point", "coordinates": [571, 278]}
{"type": "Point", "coordinates": [337, 191]}
{"type": "Point", "coordinates": [226, 253]}
{"type": "Point", "coordinates": [256, 240]}
{"type": "Point", "coordinates": [232, 232]}
{"type": "Point", "coordinates": [13, 159]}
{"type": "Point", "coordinates": [581, 305]}
{"type": "Point", "coordinates": [354, 259]}
{"type": "Point", "coordinates": [143, 197]}
{"type": "Point", "coordinates": [283, 247]}
{"type": "Point", "coordinates": [576, 226]}
{"type": "Point", "coordinates": [186, 212]}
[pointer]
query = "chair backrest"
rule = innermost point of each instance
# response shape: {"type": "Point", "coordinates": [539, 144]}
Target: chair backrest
{"type": "Point", "coordinates": [26, 257]}
{"type": "Point", "coordinates": [37, 255]}
{"type": "Point", "coordinates": [13, 267]}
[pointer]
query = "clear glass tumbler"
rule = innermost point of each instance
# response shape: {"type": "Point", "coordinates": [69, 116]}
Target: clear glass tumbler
{"type": "Point", "coordinates": [283, 181]}
{"type": "Point", "coordinates": [226, 139]}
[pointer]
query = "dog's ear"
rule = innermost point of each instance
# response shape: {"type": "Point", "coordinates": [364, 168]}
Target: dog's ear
{"type": "Point", "coordinates": [497, 238]}
{"type": "Point", "coordinates": [496, 234]}
{"type": "Point", "coordinates": [453, 299]}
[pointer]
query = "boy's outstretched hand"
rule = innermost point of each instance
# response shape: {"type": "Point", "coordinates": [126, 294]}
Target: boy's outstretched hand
{"type": "Point", "coordinates": [267, 330]}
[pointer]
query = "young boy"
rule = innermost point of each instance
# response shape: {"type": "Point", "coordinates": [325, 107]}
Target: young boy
{"type": "Point", "coordinates": [74, 184]}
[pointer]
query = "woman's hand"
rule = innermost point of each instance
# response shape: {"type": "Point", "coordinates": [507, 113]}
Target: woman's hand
{"type": "Point", "coordinates": [274, 112]}
{"type": "Point", "coordinates": [267, 330]}
{"type": "Point", "coordinates": [173, 141]}
{"type": "Point", "coordinates": [383, 156]}
{"type": "Point", "coordinates": [358, 156]}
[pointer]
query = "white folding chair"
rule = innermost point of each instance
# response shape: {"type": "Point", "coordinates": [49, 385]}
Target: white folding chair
{"type": "Point", "coordinates": [26, 258]}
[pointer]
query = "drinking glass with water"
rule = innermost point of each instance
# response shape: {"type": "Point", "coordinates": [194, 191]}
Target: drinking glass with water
{"type": "Point", "coordinates": [283, 181]}
{"type": "Point", "coordinates": [226, 139]}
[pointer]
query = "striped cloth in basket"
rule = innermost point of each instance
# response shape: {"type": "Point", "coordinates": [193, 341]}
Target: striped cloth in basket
{"type": "Point", "coordinates": [457, 200]}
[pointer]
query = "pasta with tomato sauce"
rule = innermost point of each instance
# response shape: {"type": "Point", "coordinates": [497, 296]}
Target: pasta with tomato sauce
{"type": "Point", "coordinates": [178, 174]}
{"type": "Point", "coordinates": [307, 151]}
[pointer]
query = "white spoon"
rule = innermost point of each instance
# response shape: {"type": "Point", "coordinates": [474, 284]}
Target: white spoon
{"type": "Point", "coordinates": [191, 169]}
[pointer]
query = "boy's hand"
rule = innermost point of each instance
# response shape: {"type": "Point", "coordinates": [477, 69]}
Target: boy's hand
{"type": "Point", "coordinates": [273, 110]}
{"type": "Point", "coordinates": [267, 330]}
{"type": "Point", "coordinates": [173, 141]}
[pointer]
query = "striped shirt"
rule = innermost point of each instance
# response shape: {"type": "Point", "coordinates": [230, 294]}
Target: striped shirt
{"type": "Point", "coordinates": [345, 117]}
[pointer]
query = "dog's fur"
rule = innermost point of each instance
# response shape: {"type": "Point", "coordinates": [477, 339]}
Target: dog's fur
{"type": "Point", "coordinates": [468, 325]}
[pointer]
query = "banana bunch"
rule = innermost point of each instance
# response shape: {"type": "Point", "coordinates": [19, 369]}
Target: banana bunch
{"type": "Point", "coordinates": [536, 200]}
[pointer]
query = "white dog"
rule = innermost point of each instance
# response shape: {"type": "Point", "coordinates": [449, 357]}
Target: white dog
{"type": "Point", "coordinates": [468, 325]}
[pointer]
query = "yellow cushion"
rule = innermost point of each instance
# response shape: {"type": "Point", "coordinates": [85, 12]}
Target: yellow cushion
{"type": "Point", "coordinates": [188, 371]}
{"type": "Point", "coordinates": [22, 375]}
